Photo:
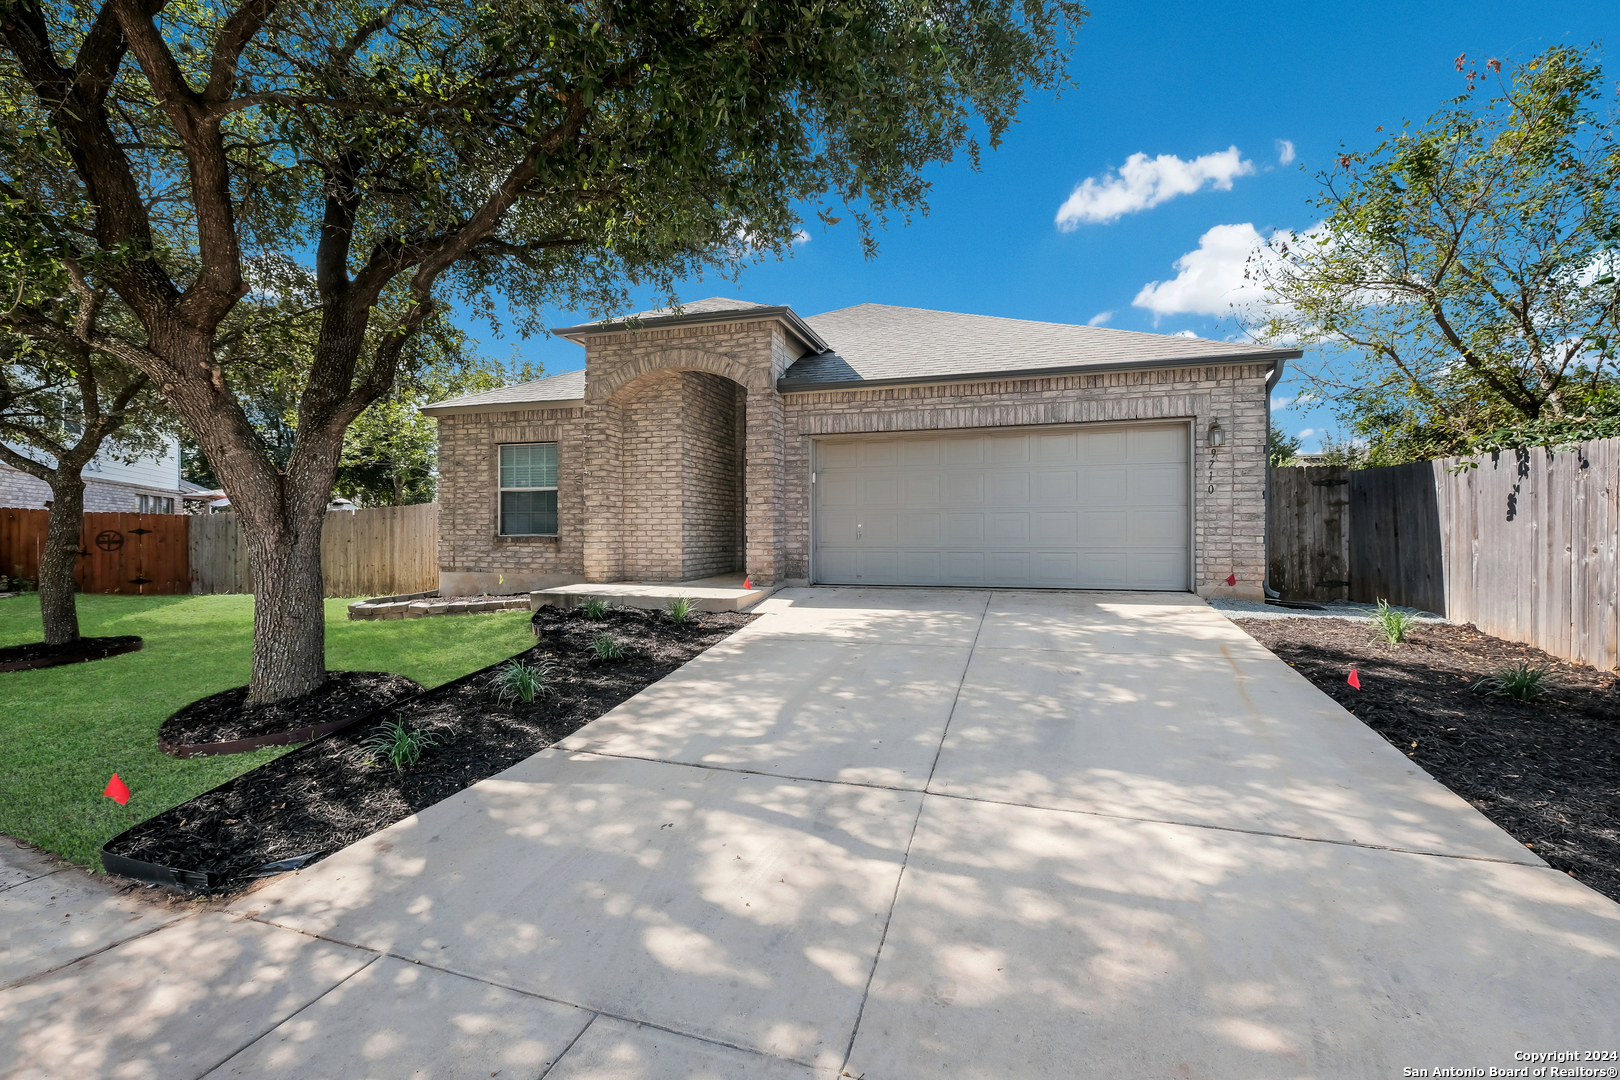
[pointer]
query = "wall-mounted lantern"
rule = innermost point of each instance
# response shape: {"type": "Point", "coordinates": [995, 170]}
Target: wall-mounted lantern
{"type": "Point", "coordinates": [1217, 434]}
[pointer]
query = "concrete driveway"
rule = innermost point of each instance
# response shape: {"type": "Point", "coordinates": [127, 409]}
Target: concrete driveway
{"type": "Point", "coordinates": [893, 834]}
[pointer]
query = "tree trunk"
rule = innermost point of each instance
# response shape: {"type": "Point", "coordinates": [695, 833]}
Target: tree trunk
{"type": "Point", "coordinates": [57, 607]}
{"type": "Point", "coordinates": [289, 615]}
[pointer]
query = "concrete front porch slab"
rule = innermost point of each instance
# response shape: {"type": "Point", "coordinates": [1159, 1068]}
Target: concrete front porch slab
{"type": "Point", "coordinates": [1234, 742]}
{"type": "Point", "coordinates": [395, 1019]}
{"type": "Point", "coordinates": [1039, 943]}
{"type": "Point", "coordinates": [724, 593]}
{"type": "Point", "coordinates": [742, 909]}
{"type": "Point", "coordinates": [791, 706]}
{"type": "Point", "coordinates": [168, 1005]}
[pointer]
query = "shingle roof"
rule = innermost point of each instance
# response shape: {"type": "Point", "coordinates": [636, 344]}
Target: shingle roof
{"type": "Point", "coordinates": [712, 309]}
{"type": "Point", "coordinates": [878, 343]}
{"type": "Point", "coordinates": [569, 386]}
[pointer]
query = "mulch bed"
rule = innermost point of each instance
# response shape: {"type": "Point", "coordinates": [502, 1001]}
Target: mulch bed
{"type": "Point", "coordinates": [331, 793]}
{"type": "Point", "coordinates": [37, 654]}
{"type": "Point", "coordinates": [222, 722]}
{"type": "Point", "coordinates": [1547, 771]}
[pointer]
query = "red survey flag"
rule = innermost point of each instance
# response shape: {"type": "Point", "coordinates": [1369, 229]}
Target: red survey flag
{"type": "Point", "coordinates": [748, 582]}
{"type": "Point", "coordinates": [1354, 679]}
{"type": "Point", "coordinates": [117, 790]}
{"type": "Point", "coordinates": [1231, 579]}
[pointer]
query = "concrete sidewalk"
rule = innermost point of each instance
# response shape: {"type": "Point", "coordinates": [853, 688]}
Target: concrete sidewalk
{"type": "Point", "coordinates": [895, 834]}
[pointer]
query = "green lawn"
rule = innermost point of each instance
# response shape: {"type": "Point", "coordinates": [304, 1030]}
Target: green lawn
{"type": "Point", "coordinates": [64, 731]}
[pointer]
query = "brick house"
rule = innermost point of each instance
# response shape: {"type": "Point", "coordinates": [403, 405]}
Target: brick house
{"type": "Point", "coordinates": [873, 445]}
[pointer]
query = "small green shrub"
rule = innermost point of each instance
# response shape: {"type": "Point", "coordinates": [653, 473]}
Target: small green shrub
{"type": "Point", "coordinates": [681, 610]}
{"type": "Point", "coordinates": [519, 681]}
{"type": "Point", "coordinates": [398, 745]}
{"type": "Point", "coordinates": [1521, 682]}
{"type": "Point", "coordinates": [595, 608]}
{"type": "Point", "coordinates": [1393, 624]}
{"type": "Point", "coordinates": [607, 647]}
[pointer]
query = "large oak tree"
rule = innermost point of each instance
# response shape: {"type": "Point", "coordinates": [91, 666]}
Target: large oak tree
{"type": "Point", "coordinates": [410, 152]}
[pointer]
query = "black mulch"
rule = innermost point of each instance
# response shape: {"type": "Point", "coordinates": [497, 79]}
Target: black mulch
{"type": "Point", "coordinates": [85, 648]}
{"type": "Point", "coordinates": [224, 717]}
{"type": "Point", "coordinates": [329, 793]}
{"type": "Point", "coordinates": [1547, 771]}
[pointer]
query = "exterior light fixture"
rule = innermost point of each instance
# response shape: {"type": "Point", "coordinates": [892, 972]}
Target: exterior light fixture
{"type": "Point", "coordinates": [1217, 434]}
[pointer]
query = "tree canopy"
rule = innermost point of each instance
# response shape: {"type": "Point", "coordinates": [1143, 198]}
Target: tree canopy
{"type": "Point", "coordinates": [1463, 279]}
{"type": "Point", "coordinates": [509, 156]}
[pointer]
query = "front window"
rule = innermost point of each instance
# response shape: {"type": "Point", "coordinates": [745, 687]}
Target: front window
{"type": "Point", "coordinates": [529, 489]}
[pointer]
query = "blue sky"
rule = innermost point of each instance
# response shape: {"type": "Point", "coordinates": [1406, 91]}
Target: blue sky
{"type": "Point", "coordinates": [1185, 80]}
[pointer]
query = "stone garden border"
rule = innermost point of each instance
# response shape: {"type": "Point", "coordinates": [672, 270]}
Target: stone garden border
{"type": "Point", "coordinates": [422, 604]}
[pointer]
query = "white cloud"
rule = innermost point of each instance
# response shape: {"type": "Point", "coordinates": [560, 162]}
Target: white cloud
{"type": "Point", "coordinates": [1285, 151]}
{"type": "Point", "coordinates": [1184, 333]}
{"type": "Point", "coordinates": [1208, 281]}
{"type": "Point", "coordinates": [801, 237]}
{"type": "Point", "coordinates": [1100, 319]}
{"type": "Point", "coordinates": [1144, 182]}
{"type": "Point", "coordinates": [1278, 404]}
{"type": "Point", "coordinates": [1307, 433]}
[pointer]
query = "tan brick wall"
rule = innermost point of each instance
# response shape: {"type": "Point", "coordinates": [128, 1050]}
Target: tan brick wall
{"type": "Point", "coordinates": [711, 481]}
{"type": "Point", "coordinates": [651, 459]}
{"type": "Point", "coordinates": [1228, 524]}
{"type": "Point", "coordinates": [469, 493]}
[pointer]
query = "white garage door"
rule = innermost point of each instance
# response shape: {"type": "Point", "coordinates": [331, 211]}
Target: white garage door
{"type": "Point", "coordinates": [1098, 506]}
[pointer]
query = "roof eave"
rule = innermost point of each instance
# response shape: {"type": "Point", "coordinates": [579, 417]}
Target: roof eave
{"type": "Point", "coordinates": [1274, 356]}
{"type": "Point", "coordinates": [800, 329]}
{"type": "Point", "coordinates": [448, 409]}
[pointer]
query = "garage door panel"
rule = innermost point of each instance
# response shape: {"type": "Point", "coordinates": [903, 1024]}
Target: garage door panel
{"type": "Point", "coordinates": [1107, 485]}
{"type": "Point", "coordinates": [1082, 507]}
{"type": "Point", "coordinates": [1057, 569]}
{"type": "Point", "coordinates": [1105, 527]}
{"type": "Point", "coordinates": [964, 528]}
{"type": "Point", "coordinates": [1157, 444]}
{"type": "Point", "coordinates": [882, 489]}
{"type": "Point", "coordinates": [879, 527]}
{"type": "Point", "coordinates": [1063, 449]}
{"type": "Point", "coordinates": [1008, 567]}
{"type": "Point", "coordinates": [919, 489]}
{"type": "Point", "coordinates": [1056, 528]}
{"type": "Point", "coordinates": [1008, 488]}
{"type": "Point", "coordinates": [921, 567]}
{"type": "Point", "coordinates": [920, 528]}
{"type": "Point", "coordinates": [1054, 488]}
{"type": "Point", "coordinates": [879, 453]}
{"type": "Point", "coordinates": [1005, 527]}
{"type": "Point", "coordinates": [1152, 484]}
{"type": "Point", "coordinates": [1159, 570]}
{"type": "Point", "coordinates": [1158, 527]}
{"type": "Point", "coordinates": [964, 489]}
{"type": "Point", "coordinates": [1009, 449]}
{"type": "Point", "coordinates": [915, 452]}
{"type": "Point", "coordinates": [837, 491]}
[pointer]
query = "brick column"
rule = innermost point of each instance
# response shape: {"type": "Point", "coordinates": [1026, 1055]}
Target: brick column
{"type": "Point", "coordinates": [604, 493]}
{"type": "Point", "coordinates": [764, 467]}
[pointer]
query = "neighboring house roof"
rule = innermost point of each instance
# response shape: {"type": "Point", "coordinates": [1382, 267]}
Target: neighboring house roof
{"type": "Point", "coordinates": [712, 309]}
{"type": "Point", "coordinates": [569, 386]}
{"type": "Point", "coordinates": [878, 344]}
{"type": "Point", "coordinates": [883, 345]}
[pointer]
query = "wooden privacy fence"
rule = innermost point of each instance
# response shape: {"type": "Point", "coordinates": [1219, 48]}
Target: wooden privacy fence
{"type": "Point", "coordinates": [380, 551]}
{"type": "Point", "coordinates": [132, 554]}
{"type": "Point", "coordinates": [1524, 544]}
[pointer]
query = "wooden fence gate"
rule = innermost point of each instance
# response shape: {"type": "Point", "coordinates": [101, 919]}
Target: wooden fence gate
{"type": "Point", "coordinates": [1308, 522]}
{"type": "Point", "coordinates": [132, 554]}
